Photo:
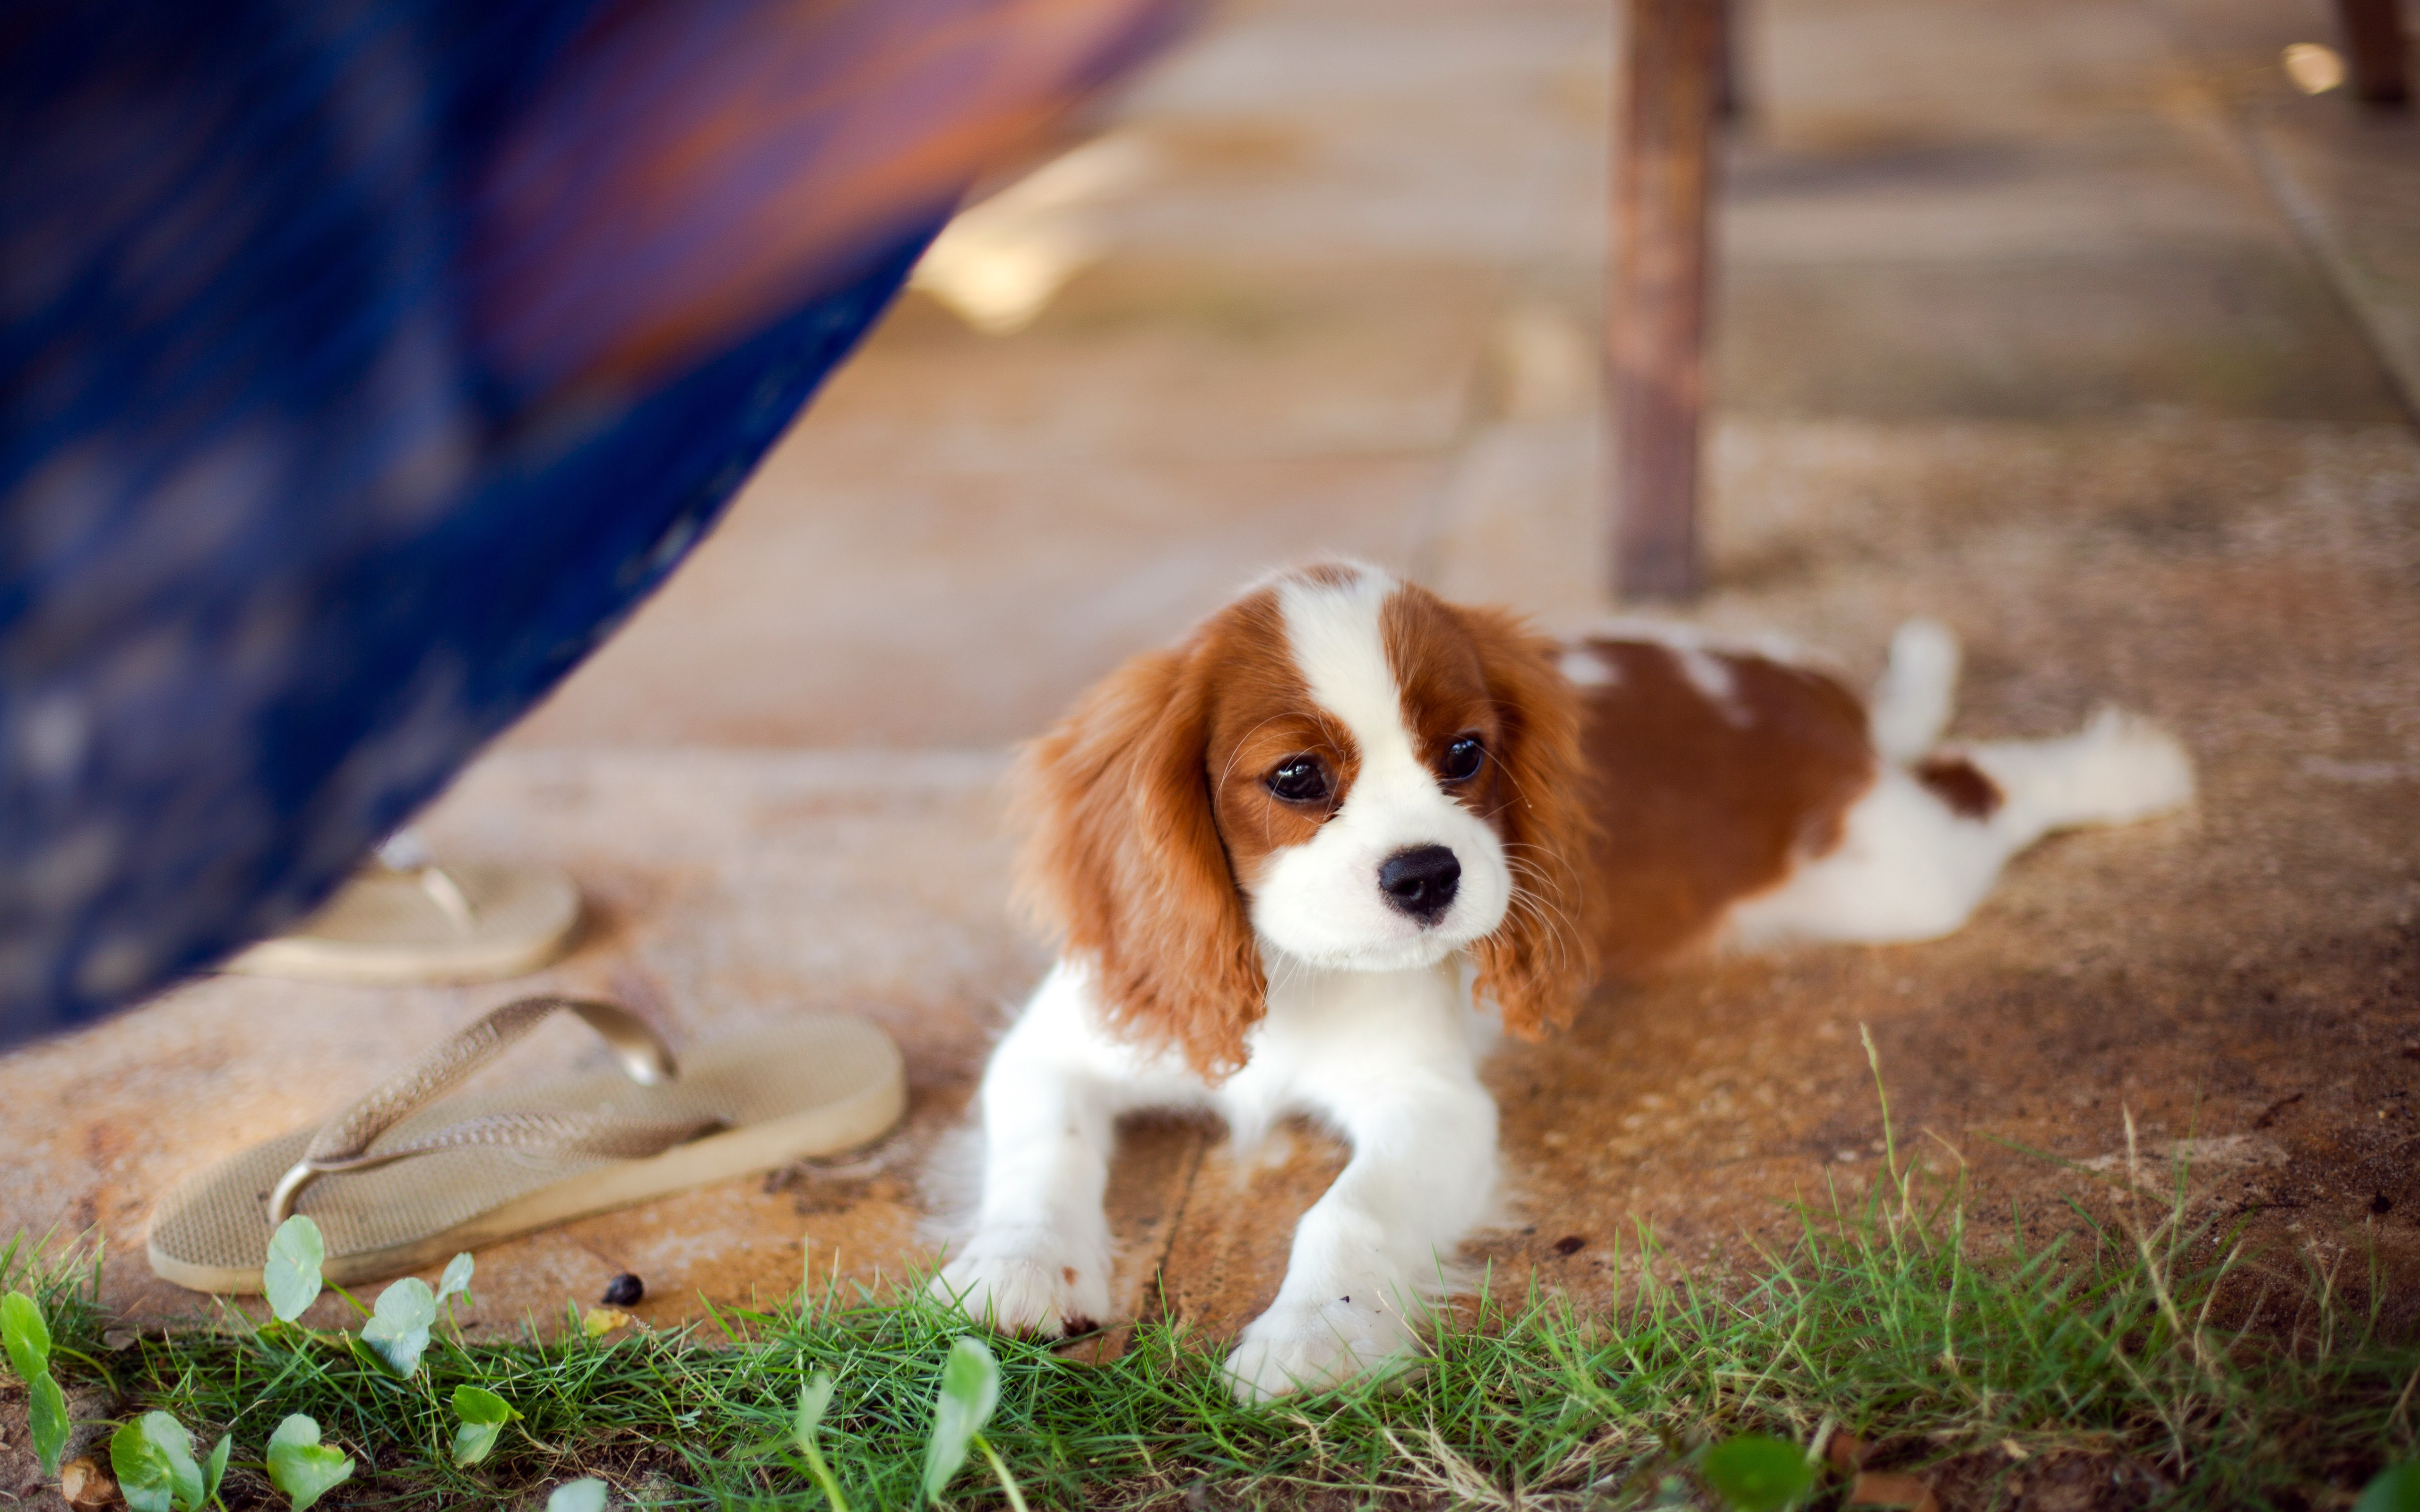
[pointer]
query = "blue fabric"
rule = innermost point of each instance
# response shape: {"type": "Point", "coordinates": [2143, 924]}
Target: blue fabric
{"type": "Point", "coordinates": [279, 545]}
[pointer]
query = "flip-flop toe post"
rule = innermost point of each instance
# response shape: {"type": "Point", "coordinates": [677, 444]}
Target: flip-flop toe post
{"type": "Point", "coordinates": [415, 1171]}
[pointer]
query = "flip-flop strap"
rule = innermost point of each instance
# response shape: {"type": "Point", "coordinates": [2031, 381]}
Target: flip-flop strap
{"type": "Point", "coordinates": [344, 1144]}
{"type": "Point", "coordinates": [406, 854]}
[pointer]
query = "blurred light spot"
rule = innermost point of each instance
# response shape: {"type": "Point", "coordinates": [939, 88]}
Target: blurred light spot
{"type": "Point", "coordinates": [1001, 263]}
{"type": "Point", "coordinates": [54, 735]}
{"type": "Point", "coordinates": [2315, 69]}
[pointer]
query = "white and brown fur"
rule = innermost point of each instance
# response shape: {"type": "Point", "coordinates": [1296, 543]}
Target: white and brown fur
{"type": "Point", "coordinates": [1229, 944]}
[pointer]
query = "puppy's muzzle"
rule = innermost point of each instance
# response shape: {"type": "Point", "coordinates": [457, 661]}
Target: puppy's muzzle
{"type": "Point", "coordinates": [1420, 882]}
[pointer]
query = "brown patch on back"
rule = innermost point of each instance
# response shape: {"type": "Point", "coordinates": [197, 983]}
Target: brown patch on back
{"type": "Point", "coordinates": [1698, 811]}
{"type": "Point", "coordinates": [1960, 784]}
{"type": "Point", "coordinates": [1485, 672]}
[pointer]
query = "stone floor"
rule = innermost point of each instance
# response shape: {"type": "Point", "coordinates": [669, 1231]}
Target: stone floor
{"type": "Point", "coordinates": [2026, 322]}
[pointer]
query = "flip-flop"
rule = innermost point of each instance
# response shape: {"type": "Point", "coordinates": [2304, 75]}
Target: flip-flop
{"type": "Point", "coordinates": [421, 922]}
{"type": "Point", "coordinates": [407, 1176]}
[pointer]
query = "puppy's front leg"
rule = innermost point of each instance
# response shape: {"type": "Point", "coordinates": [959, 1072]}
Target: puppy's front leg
{"type": "Point", "coordinates": [1370, 1252]}
{"type": "Point", "coordinates": [1039, 1258]}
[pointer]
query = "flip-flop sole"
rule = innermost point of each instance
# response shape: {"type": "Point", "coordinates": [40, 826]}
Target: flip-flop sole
{"type": "Point", "coordinates": [384, 928]}
{"type": "Point", "coordinates": [807, 1086]}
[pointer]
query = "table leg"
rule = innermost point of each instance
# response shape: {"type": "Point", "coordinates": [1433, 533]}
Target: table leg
{"type": "Point", "coordinates": [2373, 33]}
{"type": "Point", "coordinates": [1655, 337]}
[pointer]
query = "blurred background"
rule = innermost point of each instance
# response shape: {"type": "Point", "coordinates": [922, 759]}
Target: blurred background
{"type": "Point", "coordinates": [2088, 326]}
{"type": "Point", "coordinates": [1335, 279]}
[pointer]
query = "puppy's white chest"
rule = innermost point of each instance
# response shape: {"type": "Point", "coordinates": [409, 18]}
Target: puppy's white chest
{"type": "Point", "coordinates": [1330, 1036]}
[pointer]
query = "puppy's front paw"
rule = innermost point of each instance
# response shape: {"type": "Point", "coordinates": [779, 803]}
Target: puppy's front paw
{"type": "Point", "coordinates": [1027, 1281]}
{"type": "Point", "coordinates": [1293, 1347]}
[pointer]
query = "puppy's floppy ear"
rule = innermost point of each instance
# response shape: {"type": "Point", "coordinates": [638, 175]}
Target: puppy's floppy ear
{"type": "Point", "coordinates": [1122, 858]}
{"type": "Point", "coordinates": [1541, 959]}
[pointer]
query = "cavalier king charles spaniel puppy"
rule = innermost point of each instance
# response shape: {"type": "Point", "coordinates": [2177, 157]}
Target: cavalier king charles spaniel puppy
{"type": "Point", "coordinates": [1308, 860]}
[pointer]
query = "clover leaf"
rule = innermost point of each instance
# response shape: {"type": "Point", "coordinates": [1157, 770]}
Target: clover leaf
{"type": "Point", "coordinates": [398, 1328]}
{"type": "Point", "coordinates": [153, 1460]}
{"type": "Point", "coordinates": [28, 1338]}
{"type": "Point", "coordinates": [50, 1425]}
{"type": "Point", "coordinates": [578, 1496]}
{"type": "Point", "coordinates": [456, 1282]}
{"type": "Point", "coordinates": [484, 1415]}
{"type": "Point", "coordinates": [302, 1467]}
{"type": "Point", "coordinates": [291, 1280]}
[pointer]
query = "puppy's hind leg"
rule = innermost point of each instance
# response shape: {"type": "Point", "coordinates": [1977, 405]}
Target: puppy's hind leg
{"type": "Point", "coordinates": [1921, 849]}
{"type": "Point", "coordinates": [2119, 768]}
{"type": "Point", "coordinates": [1910, 865]}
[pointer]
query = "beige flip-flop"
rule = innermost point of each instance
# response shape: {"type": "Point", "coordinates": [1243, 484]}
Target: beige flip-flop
{"type": "Point", "coordinates": [406, 1175]}
{"type": "Point", "coordinates": [405, 919]}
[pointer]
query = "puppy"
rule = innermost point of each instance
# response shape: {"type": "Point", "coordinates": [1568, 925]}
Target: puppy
{"type": "Point", "coordinates": [1306, 861]}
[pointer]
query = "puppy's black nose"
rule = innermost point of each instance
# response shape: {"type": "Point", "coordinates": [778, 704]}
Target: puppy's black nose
{"type": "Point", "coordinates": [1420, 881]}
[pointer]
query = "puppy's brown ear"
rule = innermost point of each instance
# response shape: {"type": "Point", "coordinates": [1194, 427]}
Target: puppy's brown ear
{"type": "Point", "coordinates": [1122, 858]}
{"type": "Point", "coordinates": [1541, 959]}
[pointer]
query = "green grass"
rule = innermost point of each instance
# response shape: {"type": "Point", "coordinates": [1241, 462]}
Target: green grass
{"type": "Point", "coordinates": [1881, 1318]}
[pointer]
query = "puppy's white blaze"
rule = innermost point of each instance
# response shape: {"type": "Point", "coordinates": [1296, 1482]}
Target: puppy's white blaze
{"type": "Point", "coordinates": [1320, 901]}
{"type": "Point", "coordinates": [1341, 651]}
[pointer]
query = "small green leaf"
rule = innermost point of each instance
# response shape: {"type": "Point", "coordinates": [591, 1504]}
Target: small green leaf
{"type": "Point", "coordinates": [144, 1477]}
{"type": "Point", "coordinates": [578, 1496]}
{"type": "Point", "coordinates": [291, 1280]}
{"type": "Point", "coordinates": [814, 1398]}
{"type": "Point", "coordinates": [474, 1442]}
{"type": "Point", "coordinates": [176, 1447]}
{"type": "Point", "coordinates": [214, 1468]}
{"type": "Point", "coordinates": [28, 1336]}
{"type": "Point", "coordinates": [153, 1459]}
{"type": "Point", "coordinates": [300, 1466]}
{"type": "Point", "coordinates": [1756, 1472]}
{"type": "Point", "coordinates": [477, 1404]}
{"type": "Point", "coordinates": [484, 1415]}
{"type": "Point", "coordinates": [456, 1282]}
{"type": "Point", "coordinates": [969, 1391]}
{"type": "Point", "coordinates": [49, 1412]}
{"type": "Point", "coordinates": [2395, 1489]}
{"type": "Point", "coordinates": [398, 1327]}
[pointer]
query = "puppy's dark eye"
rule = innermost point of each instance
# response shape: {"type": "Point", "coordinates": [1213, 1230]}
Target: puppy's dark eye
{"type": "Point", "coordinates": [1463, 759]}
{"type": "Point", "coordinates": [1301, 780]}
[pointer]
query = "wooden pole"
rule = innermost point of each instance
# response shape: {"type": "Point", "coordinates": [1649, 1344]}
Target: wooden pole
{"type": "Point", "coordinates": [2373, 33]}
{"type": "Point", "coordinates": [1655, 309]}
